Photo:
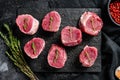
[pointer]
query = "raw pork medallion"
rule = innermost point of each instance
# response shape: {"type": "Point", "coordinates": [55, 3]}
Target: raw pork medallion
{"type": "Point", "coordinates": [71, 36]}
{"type": "Point", "coordinates": [88, 56]}
{"type": "Point", "coordinates": [57, 56]}
{"type": "Point", "coordinates": [90, 23]}
{"type": "Point", "coordinates": [34, 47]}
{"type": "Point", "coordinates": [27, 24]}
{"type": "Point", "coordinates": [51, 21]}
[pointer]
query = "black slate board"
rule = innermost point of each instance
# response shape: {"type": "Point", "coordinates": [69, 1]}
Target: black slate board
{"type": "Point", "coordinates": [69, 17]}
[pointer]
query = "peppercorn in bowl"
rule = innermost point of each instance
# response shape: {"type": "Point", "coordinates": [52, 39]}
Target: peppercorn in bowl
{"type": "Point", "coordinates": [114, 11]}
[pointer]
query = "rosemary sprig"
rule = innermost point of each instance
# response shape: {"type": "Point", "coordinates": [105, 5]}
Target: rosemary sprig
{"type": "Point", "coordinates": [56, 55]}
{"type": "Point", "coordinates": [92, 22]}
{"type": "Point", "coordinates": [70, 33]}
{"type": "Point", "coordinates": [25, 24]}
{"type": "Point", "coordinates": [33, 47]}
{"type": "Point", "coordinates": [87, 55]}
{"type": "Point", "coordinates": [15, 53]}
{"type": "Point", "coordinates": [51, 20]}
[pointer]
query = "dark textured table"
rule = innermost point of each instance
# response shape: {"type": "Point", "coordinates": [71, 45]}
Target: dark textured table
{"type": "Point", "coordinates": [110, 48]}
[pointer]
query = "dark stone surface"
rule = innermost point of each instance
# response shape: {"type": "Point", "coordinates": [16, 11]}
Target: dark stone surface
{"type": "Point", "coordinates": [69, 17]}
{"type": "Point", "coordinates": [7, 11]}
{"type": "Point", "coordinates": [32, 3]}
{"type": "Point", "coordinates": [75, 4]}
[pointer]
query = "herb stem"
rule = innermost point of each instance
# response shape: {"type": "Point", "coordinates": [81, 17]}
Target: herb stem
{"type": "Point", "coordinates": [25, 24]}
{"type": "Point", "coordinates": [70, 32]}
{"type": "Point", "coordinates": [92, 22]}
{"type": "Point", "coordinates": [15, 53]}
{"type": "Point", "coordinates": [88, 56]}
{"type": "Point", "coordinates": [56, 55]}
{"type": "Point", "coordinates": [51, 20]}
{"type": "Point", "coordinates": [33, 47]}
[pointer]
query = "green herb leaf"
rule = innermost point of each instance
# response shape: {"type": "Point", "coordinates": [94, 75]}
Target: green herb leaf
{"type": "Point", "coordinates": [33, 47]}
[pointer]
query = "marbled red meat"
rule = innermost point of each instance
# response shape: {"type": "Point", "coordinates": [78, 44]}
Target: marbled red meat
{"type": "Point", "coordinates": [71, 36]}
{"type": "Point", "coordinates": [57, 56]}
{"type": "Point", "coordinates": [90, 23]}
{"type": "Point", "coordinates": [34, 47]}
{"type": "Point", "coordinates": [88, 56]}
{"type": "Point", "coordinates": [51, 21]}
{"type": "Point", "coordinates": [27, 24]}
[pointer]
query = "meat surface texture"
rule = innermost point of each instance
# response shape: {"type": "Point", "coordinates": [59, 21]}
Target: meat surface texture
{"type": "Point", "coordinates": [51, 21]}
{"type": "Point", "coordinates": [27, 24]}
{"type": "Point", "coordinates": [90, 23]}
{"type": "Point", "coordinates": [34, 47]}
{"type": "Point", "coordinates": [88, 56]}
{"type": "Point", "coordinates": [71, 36]}
{"type": "Point", "coordinates": [57, 56]}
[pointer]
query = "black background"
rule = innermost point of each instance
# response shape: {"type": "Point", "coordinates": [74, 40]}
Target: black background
{"type": "Point", "coordinates": [110, 39]}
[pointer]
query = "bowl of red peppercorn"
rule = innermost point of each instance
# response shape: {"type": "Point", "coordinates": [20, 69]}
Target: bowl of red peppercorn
{"type": "Point", "coordinates": [114, 11]}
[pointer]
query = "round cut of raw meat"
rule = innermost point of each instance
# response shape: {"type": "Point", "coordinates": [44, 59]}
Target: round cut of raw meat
{"type": "Point", "coordinates": [27, 24]}
{"type": "Point", "coordinates": [51, 21]}
{"type": "Point", "coordinates": [71, 36]}
{"type": "Point", "coordinates": [57, 56]}
{"type": "Point", "coordinates": [88, 56]}
{"type": "Point", "coordinates": [90, 23]}
{"type": "Point", "coordinates": [34, 47]}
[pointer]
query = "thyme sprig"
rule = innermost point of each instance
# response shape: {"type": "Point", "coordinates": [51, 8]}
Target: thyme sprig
{"type": "Point", "coordinates": [15, 53]}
